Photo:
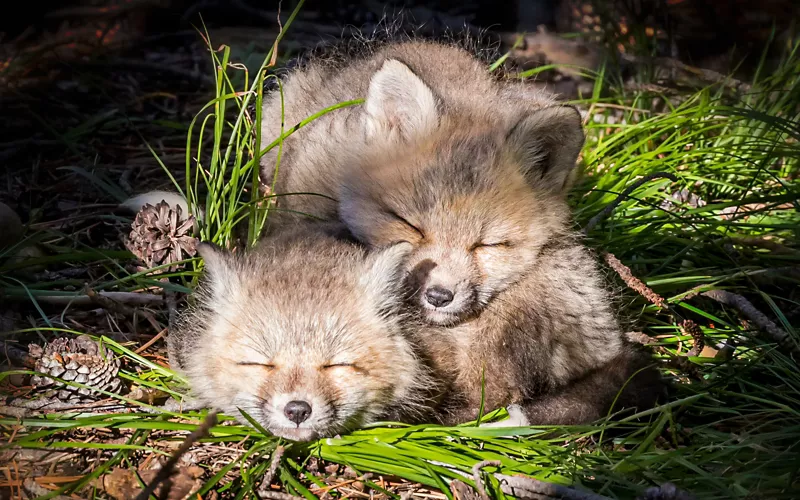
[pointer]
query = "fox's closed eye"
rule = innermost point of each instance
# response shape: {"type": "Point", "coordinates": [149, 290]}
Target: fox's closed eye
{"type": "Point", "coordinates": [251, 363]}
{"type": "Point", "coordinates": [349, 366]}
{"type": "Point", "coordinates": [404, 221]}
{"type": "Point", "coordinates": [491, 244]}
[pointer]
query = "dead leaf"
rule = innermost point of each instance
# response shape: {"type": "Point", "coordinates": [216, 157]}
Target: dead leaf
{"type": "Point", "coordinates": [708, 352]}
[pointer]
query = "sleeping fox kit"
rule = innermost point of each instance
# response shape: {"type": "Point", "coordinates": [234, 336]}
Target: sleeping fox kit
{"type": "Point", "coordinates": [455, 181]}
{"type": "Point", "coordinates": [472, 170]}
{"type": "Point", "coordinates": [303, 334]}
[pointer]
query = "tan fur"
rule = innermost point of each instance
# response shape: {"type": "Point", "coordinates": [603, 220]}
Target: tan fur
{"type": "Point", "coordinates": [314, 157]}
{"type": "Point", "coordinates": [472, 171]}
{"type": "Point", "coordinates": [302, 317]}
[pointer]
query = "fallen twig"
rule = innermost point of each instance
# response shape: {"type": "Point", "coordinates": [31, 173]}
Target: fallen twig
{"type": "Point", "coordinates": [633, 282]}
{"type": "Point", "coordinates": [277, 495]}
{"type": "Point", "coordinates": [623, 195]}
{"type": "Point", "coordinates": [477, 469]}
{"type": "Point", "coordinates": [263, 490]}
{"type": "Point", "coordinates": [151, 341]}
{"type": "Point", "coordinates": [21, 408]}
{"type": "Point", "coordinates": [775, 333]}
{"type": "Point", "coordinates": [528, 487]}
{"type": "Point", "coordinates": [109, 304]}
{"type": "Point", "coordinates": [166, 471]}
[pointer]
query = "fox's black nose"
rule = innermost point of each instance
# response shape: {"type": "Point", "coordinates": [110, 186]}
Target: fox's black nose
{"type": "Point", "coordinates": [438, 296]}
{"type": "Point", "coordinates": [297, 411]}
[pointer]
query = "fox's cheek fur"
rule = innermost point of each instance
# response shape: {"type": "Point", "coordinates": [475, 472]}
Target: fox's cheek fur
{"type": "Point", "coordinates": [499, 269]}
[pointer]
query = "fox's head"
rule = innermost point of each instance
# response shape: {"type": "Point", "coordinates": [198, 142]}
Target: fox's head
{"type": "Point", "coordinates": [304, 339]}
{"type": "Point", "coordinates": [477, 192]}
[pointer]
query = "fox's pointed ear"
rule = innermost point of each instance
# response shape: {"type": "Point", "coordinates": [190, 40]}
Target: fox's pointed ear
{"type": "Point", "coordinates": [546, 143]}
{"type": "Point", "coordinates": [383, 278]}
{"type": "Point", "coordinates": [399, 103]}
{"type": "Point", "coordinates": [218, 266]}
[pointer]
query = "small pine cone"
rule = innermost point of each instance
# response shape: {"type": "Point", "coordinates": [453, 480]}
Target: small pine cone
{"type": "Point", "coordinates": [75, 359]}
{"type": "Point", "coordinates": [160, 235]}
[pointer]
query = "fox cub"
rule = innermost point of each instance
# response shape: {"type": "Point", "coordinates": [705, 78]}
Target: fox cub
{"type": "Point", "coordinates": [304, 334]}
{"type": "Point", "coordinates": [472, 171]}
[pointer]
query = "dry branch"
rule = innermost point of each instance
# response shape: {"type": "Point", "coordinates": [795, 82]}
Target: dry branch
{"type": "Point", "coordinates": [476, 476]}
{"type": "Point", "coordinates": [633, 282]}
{"type": "Point", "coordinates": [277, 495]}
{"type": "Point", "coordinates": [166, 471]}
{"type": "Point", "coordinates": [775, 333]}
{"type": "Point", "coordinates": [527, 487]}
{"type": "Point", "coordinates": [263, 490]}
{"type": "Point", "coordinates": [22, 408]}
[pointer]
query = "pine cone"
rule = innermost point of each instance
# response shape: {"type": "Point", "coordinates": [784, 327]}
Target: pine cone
{"type": "Point", "coordinates": [159, 235]}
{"type": "Point", "coordinates": [76, 359]}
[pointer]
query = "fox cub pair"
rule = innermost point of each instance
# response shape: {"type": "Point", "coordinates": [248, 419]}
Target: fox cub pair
{"type": "Point", "coordinates": [444, 261]}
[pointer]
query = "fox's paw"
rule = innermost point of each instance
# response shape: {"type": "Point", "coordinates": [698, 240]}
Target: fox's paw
{"type": "Point", "coordinates": [516, 418]}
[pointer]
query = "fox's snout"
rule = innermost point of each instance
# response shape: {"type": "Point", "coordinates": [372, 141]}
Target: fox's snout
{"type": "Point", "coordinates": [442, 289]}
{"type": "Point", "coordinates": [438, 296]}
{"type": "Point", "coordinates": [297, 411]}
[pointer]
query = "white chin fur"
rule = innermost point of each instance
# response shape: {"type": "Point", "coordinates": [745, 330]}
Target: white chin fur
{"type": "Point", "coordinates": [516, 418]}
{"type": "Point", "coordinates": [295, 433]}
{"type": "Point", "coordinates": [437, 317]}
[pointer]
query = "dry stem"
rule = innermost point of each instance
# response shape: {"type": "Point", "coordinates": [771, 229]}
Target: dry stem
{"type": "Point", "coordinates": [633, 282]}
{"type": "Point", "coordinates": [528, 487]}
{"type": "Point", "coordinates": [773, 331]}
{"type": "Point", "coordinates": [476, 476]}
{"type": "Point", "coordinates": [263, 490]}
{"type": "Point", "coordinates": [166, 471]}
{"type": "Point", "coordinates": [277, 495]}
